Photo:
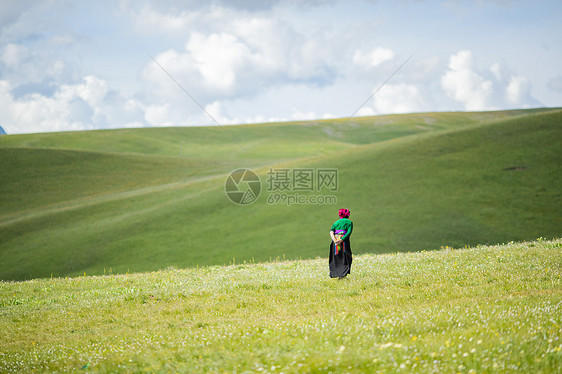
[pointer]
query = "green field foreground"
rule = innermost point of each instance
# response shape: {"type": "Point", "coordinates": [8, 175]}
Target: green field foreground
{"type": "Point", "coordinates": [472, 310]}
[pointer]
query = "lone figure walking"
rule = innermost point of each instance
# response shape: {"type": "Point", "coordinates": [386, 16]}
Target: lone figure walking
{"type": "Point", "coordinates": [340, 249]}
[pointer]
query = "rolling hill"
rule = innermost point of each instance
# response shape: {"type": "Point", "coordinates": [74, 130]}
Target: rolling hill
{"type": "Point", "coordinates": [144, 199]}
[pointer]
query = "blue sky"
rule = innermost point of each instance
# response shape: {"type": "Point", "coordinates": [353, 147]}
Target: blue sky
{"type": "Point", "coordinates": [80, 65]}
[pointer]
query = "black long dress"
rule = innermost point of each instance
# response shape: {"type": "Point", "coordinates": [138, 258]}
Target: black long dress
{"type": "Point", "coordinates": [340, 264]}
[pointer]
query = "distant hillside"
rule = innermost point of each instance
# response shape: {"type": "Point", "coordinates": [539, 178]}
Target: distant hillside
{"type": "Point", "coordinates": [145, 199]}
{"type": "Point", "coordinates": [2, 132]}
{"type": "Point", "coordinates": [269, 141]}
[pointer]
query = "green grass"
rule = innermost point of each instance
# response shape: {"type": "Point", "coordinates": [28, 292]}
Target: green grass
{"type": "Point", "coordinates": [145, 199]}
{"type": "Point", "coordinates": [485, 309]}
{"type": "Point", "coordinates": [272, 141]}
{"type": "Point", "coordinates": [41, 178]}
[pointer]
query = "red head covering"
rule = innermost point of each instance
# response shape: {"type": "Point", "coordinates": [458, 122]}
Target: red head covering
{"type": "Point", "coordinates": [344, 213]}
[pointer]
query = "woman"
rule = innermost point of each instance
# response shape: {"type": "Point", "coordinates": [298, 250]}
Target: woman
{"type": "Point", "coordinates": [340, 249]}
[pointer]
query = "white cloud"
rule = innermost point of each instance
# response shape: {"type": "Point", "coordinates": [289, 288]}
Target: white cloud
{"type": "Point", "coordinates": [245, 61]}
{"type": "Point", "coordinates": [463, 60]}
{"type": "Point", "coordinates": [518, 90]}
{"type": "Point", "coordinates": [219, 58]}
{"type": "Point", "coordinates": [399, 98]}
{"type": "Point", "coordinates": [13, 55]}
{"type": "Point", "coordinates": [176, 20]}
{"type": "Point", "coordinates": [179, 65]}
{"type": "Point", "coordinates": [465, 85]}
{"type": "Point", "coordinates": [86, 105]}
{"type": "Point", "coordinates": [159, 115]}
{"type": "Point", "coordinates": [148, 20]}
{"type": "Point", "coordinates": [92, 91]}
{"type": "Point", "coordinates": [216, 115]}
{"type": "Point", "coordinates": [23, 65]}
{"type": "Point", "coordinates": [249, 56]}
{"type": "Point", "coordinates": [485, 90]}
{"type": "Point", "coordinates": [497, 70]}
{"type": "Point", "coordinates": [366, 111]}
{"type": "Point", "coordinates": [373, 58]}
{"type": "Point", "coordinates": [297, 115]}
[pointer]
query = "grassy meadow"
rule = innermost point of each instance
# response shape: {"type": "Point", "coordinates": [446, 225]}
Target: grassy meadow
{"type": "Point", "coordinates": [486, 309]}
{"type": "Point", "coordinates": [138, 200]}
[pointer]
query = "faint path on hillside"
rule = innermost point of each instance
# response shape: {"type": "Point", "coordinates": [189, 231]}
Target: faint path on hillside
{"type": "Point", "coordinates": [89, 201]}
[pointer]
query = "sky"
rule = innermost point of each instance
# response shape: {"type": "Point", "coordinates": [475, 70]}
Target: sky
{"type": "Point", "coordinates": [83, 65]}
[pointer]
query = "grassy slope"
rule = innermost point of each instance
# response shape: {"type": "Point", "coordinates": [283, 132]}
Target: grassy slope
{"type": "Point", "coordinates": [272, 141]}
{"type": "Point", "coordinates": [440, 186]}
{"type": "Point", "coordinates": [485, 309]}
{"type": "Point", "coordinates": [40, 178]}
{"type": "Point", "coordinates": [458, 188]}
